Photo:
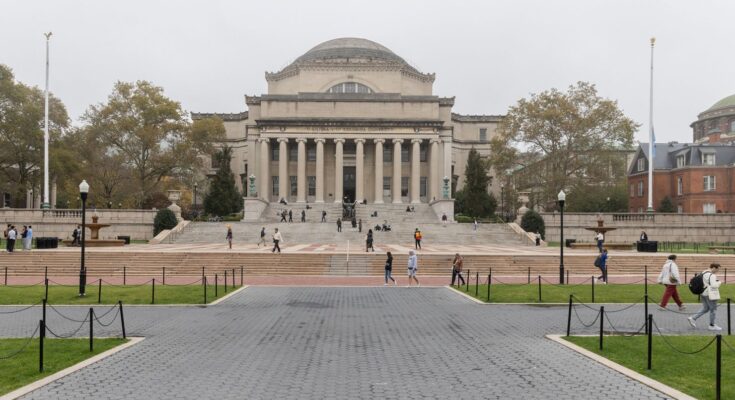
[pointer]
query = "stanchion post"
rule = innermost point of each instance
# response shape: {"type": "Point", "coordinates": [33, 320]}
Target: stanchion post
{"type": "Point", "coordinates": [203, 276]}
{"type": "Point", "coordinates": [718, 368]}
{"type": "Point", "coordinates": [225, 281]}
{"type": "Point", "coordinates": [205, 290]}
{"type": "Point", "coordinates": [725, 276]}
{"type": "Point", "coordinates": [91, 329]}
{"type": "Point", "coordinates": [99, 291]}
{"type": "Point", "coordinates": [241, 275]}
{"type": "Point", "coordinates": [645, 310]}
{"type": "Point", "coordinates": [602, 323]}
{"type": "Point", "coordinates": [215, 286]}
{"type": "Point", "coordinates": [650, 339]}
{"type": "Point", "coordinates": [645, 279]}
{"type": "Point", "coordinates": [686, 277]}
{"type": "Point", "coordinates": [539, 288]}
{"type": "Point", "coordinates": [125, 275]}
{"type": "Point", "coordinates": [153, 291]}
{"type": "Point", "coordinates": [122, 318]}
{"type": "Point", "coordinates": [569, 316]}
{"type": "Point", "coordinates": [490, 277]}
{"type": "Point", "coordinates": [477, 283]}
{"type": "Point", "coordinates": [45, 273]}
{"type": "Point", "coordinates": [488, 287]}
{"type": "Point", "coordinates": [163, 275]}
{"type": "Point", "coordinates": [234, 280]}
{"type": "Point", "coordinates": [568, 276]}
{"type": "Point", "coordinates": [6, 276]}
{"type": "Point", "coordinates": [45, 295]}
{"type": "Point", "coordinates": [728, 316]}
{"type": "Point", "coordinates": [593, 288]}
{"type": "Point", "coordinates": [467, 282]}
{"type": "Point", "coordinates": [41, 336]}
{"type": "Point", "coordinates": [43, 310]}
{"type": "Point", "coordinates": [529, 275]}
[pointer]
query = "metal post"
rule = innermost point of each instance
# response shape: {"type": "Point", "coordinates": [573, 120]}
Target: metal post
{"type": "Point", "coordinates": [686, 275]}
{"type": "Point", "coordinates": [241, 275]}
{"type": "Point", "coordinates": [650, 339]}
{"type": "Point", "coordinates": [45, 281]}
{"type": "Point", "coordinates": [205, 290]}
{"type": "Point", "coordinates": [718, 368]}
{"type": "Point", "coordinates": [645, 279]}
{"type": "Point", "coordinates": [45, 273]}
{"type": "Point", "coordinates": [40, 345]}
{"type": "Point", "coordinates": [539, 288]}
{"type": "Point", "coordinates": [728, 316]}
{"type": "Point", "coordinates": [153, 291]}
{"type": "Point", "coordinates": [83, 269]}
{"type": "Point", "coordinates": [569, 316]}
{"type": "Point", "coordinates": [645, 310]}
{"type": "Point", "coordinates": [234, 281]}
{"type": "Point", "coordinates": [215, 286]}
{"type": "Point", "coordinates": [6, 276]}
{"type": "Point", "coordinates": [91, 329]}
{"type": "Point", "coordinates": [125, 275]}
{"type": "Point", "coordinates": [477, 283]}
{"type": "Point", "coordinates": [561, 244]}
{"type": "Point", "coordinates": [99, 291]}
{"type": "Point", "coordinates": [488, 287]}
{"type": "Point", "coordinates": [203, 277]}
{"type": "Point", "coordinates": [593, 288]}
{"type": "Point", "coordinates": [529, 274]}
{"type": "Point", "coordinates": [122, 318]}
{"type": "Point", "coordinates": [602, 323]}
{"type": "Point", "coordinates": [467, 282]}
{"type": "Point", "coordinates": [225, 281]}
{"type": "Point", "coordinates": [163, 275]}
{"type": "Point", "coordinates": [43, 312]}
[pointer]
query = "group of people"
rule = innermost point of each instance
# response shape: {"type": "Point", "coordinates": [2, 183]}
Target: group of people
{"type": "Point", "coordinates": [289, 213]}
{"type": "Point", "coordinates": [11, 235]}
{"type": "Point", "coordinates": [413, 267]}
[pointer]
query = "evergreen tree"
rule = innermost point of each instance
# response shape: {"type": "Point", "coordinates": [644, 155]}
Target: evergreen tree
{"type": "Point", "coordinates": [223, 197]}
{"type": "Point", "coordinates": [667, 206]}
{"type": "Point", "coordinates": [533, 222]}
{"type": "Point", "coordinates": [474, 200]}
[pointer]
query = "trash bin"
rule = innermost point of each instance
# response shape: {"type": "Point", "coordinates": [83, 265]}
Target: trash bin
{"type": "Point", "coordinates": [40, 243]}
{"type": "Point", "coordinates": [47, 242]}
{"type": "Point", "coordinates": [650, 246]}
{"type": "Point", "coordinates": [568, 242]}
{"type": "Point", "coordinates": [125, 238]}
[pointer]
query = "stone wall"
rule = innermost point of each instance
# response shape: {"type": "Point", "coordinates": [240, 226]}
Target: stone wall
{"type": "Point", "coordinates": [138, 224]}
{"type": "Point", "coordinates": [660, 227]}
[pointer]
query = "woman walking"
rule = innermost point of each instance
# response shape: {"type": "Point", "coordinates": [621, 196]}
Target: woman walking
{"type": "Point", "coordinates": [229, 236]}
{"type": "Point", "coordinates": [457, 269]}
{"type": "Point", "coordinates": [669, 277]}
{"type": "Point", "coordinates": [389, 270]}
{"type": "Point", "coordinates": [369, 241]}
{"type": "Point", "coordinates": [413, 266]}
{"type": "Point", "coordinates": [709, 297]}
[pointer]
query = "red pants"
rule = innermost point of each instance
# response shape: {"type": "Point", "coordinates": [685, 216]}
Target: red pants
{"type": "Point", "coordinates": [668, 293]}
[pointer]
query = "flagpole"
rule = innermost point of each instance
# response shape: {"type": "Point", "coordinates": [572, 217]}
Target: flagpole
{"type": "Point", "coordinates": [46, 204]}
{"type": "Point", "coordinates": [651, 138]}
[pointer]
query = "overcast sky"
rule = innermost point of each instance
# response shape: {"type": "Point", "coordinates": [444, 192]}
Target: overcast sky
{"type": "Point", "coordinates": [208, 54]}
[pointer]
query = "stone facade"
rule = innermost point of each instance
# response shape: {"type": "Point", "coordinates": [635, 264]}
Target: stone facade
{"type": "Point", "coordinates": [717, 123]}
{"type": "Point", "coordinates": [138, 224]}
{"type": "Point", "coordinates": [351, 120]}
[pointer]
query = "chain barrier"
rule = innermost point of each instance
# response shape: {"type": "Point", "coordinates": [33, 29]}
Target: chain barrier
{"type": "Point", "coordinates": [128, 286]}
{"type": "Point", "coordinates": [566, 286]}
{"type": "Point", "coordinates": [621, 333]}
{"type": "Point", "coordinates": [514, 284]}
{"type": "Point", "coordinates": [64, 316]}
{"type": "Point", "coordinates": [52, 282]}
{"type": "Point", "coordinates": [639, 301]}
{"type": "Point", "coordinates": [82, 325]}
{"type": "Point", "coordinates": [659, 308]}
{"type": "Point", "coordinates": [727, 344]}
{"type": "Point", "coordinates": [196, 282]}
{"type": "Point", "coordinates": [27, 342]}
{"type": "Point", "coordinates": [112, 308]}
{"type": "Point", "coordinates": [674, 347]}
{"type": "Point", "coordinates": [114, 318]}
{"type": "Point", "coordinates": [582, 322]}
{"type": "Point", "coordinates": [23, 286]}
{"type": "Point", "coordinates": [581, 303]}
{"type": "Point", "coordinates": [22, 309]}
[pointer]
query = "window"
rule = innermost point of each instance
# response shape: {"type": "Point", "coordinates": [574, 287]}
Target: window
{"type": "Point", "coordinates": [732, 126]}
{"type": "Point", "coordinates": [311, 153]}
{"type": "Point", "coordinates": [640, 188]}
{"type": "Point", "coordinates": [349, 87]}
{"type": "Point", "coordinates": [293, 153]}
{"type": "Point", "coordinates": [312, 185]}
{"type": "Point", "coordinates": [708, 159]}
{"type": "Point", "coordinates": [387, 154]}
{"type": "Point", "coordinates": [680, 161]}
{"type": "Point", "coordinates": [275, 154]}
{"type": "Point", "coordinates": [274, 185]}
{"type": "Point", "coordinates": [294, 184]}
{"type": "Point", "coordinates": [483, 134]}
{"type": "Point", "coordinates": [679, 186]}
{"type": "Point", "coordinates": [404, 186]}
{"type": "Point", "coordinates": [709, 183]}
{"type": "Point", "coordinates": [422, 153]}
{"type": "Point", "coordinates": [422, 189]}
{"type": "Point", "coordinates": [641, 164]}
{"type": "Point", "coordinates": [708, 208]}
{"type": "Point", "coordinates": [404, 153]}
{"type": "Point", "coordinates": [386, 186]}
{"type": "Point", "coordinates": [632, 191]}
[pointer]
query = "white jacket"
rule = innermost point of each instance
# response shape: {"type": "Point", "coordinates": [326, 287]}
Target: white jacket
{"type": "Point", "coordinates": [670, 269]}
{"type": "Point", "coordinates": [277, 236]}
{"type": "Point", "coordinates": [711, 285]}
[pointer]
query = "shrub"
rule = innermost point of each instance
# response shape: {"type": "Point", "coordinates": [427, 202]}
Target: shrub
{"type": "Point", "coordinates": [165, 219]}
{"type": "Point", "coordinates": [463, 219]}
{"type": "Point", "coordinates": [533, 222]}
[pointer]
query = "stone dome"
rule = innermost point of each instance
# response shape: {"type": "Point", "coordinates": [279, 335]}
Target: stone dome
{"type": "Point", "coordinates": [345, 48]}
{"type": "Point", "coordinates": [728, 101]}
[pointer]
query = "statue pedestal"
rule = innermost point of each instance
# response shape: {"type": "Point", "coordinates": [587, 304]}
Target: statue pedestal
{"type": "Point", "coordinates": [253, 208]}
{"type": "Point", "coordinates": [443, 206]}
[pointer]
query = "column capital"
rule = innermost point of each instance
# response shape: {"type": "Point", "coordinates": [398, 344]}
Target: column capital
{"type": "Point", "coordinates": [359, 140]}
{"type": "Point", "coordinates": [417, 141]}
{"type": "Point", "coordinates": [435, 141]}
{"type": "Point", "coordinates": [319, 140]}
{"type": "Point", "coordinates": [397, 141]}
{"type": "Point", "coordinates": [339, 140]}
{"type": "Point", "coordinates": [379, 140]}
{"type": "Point", "coordinates": [447, 139]}
{"type": "Point", "coordinates": [282, 140]}
{"type": "Point", "coordinates": [301, 140]}
{"type": "Point", "coordinates": [263, 140]}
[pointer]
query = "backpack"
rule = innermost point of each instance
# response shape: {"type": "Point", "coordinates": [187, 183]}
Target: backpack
{"type": "Point", "coordinates": [598, 261]}
{"type": "Point", "coordinates": [696, 284]}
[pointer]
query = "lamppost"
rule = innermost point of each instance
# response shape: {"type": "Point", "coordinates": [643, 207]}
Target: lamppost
{"type": "Point", "coordinates": [561, 197]}
{"type": "Point", "coordinates": [195, 197]}
{"type": "Point", "coordinates": [502, 201]}
{"type": "Point", "coordinates": [83, 190]}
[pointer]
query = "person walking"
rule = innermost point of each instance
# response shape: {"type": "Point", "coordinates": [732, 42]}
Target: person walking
{"type": "Point", "coordinates": [670, 278]}
{"type": "Point", "coordinates": [417, 238]}
{"type": "Point", "coordinates": [444, 219]}
{"type": "Point", "coordinates": [28, 239]}
{"type": "Point", "coordinates": [324, 216]}
{"type": "Point", "coordinates": [283, 216]}
{"type": "Point", "coordinates": [413, 266]}
{"type": "Point", "coordinates": [389, 270]}
{"type": "Point", "coordinates": [229, 236]}
{"type": "Point", "coordinates": [277, 238]}
{"type": "Point", "coordinates": [600, 240]}
{"type": "Point", "coordinates": [290, 215]}
{"type": "Point", "coordinates": [12, 235]}
{"type": "Point", "coordinates": [474, 225]}
{"type": "Point", "coordinates": [339, 224]}
{"type": "Point", "coordinates": [601, 263]}
{"type": "Point", "coordinates": [359, 226]}
{"type": "Point", "coordinates": [709, 297]}
{"type": "Point", "coordinates": [75, 236]}
{"type": "Point", "coordinates": [303, 215]}
{"type": "Point", "coordinates": [262, 237]}
{"type": "Point", "coordinates": [369, 241]}
{"type": "Point", "coordinates": [457, 265]}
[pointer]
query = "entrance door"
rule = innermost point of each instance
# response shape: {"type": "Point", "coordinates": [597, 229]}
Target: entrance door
{"type": "Point", "coordinates": [348, 184]}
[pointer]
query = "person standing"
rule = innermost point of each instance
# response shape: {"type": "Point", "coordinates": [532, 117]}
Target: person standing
{"type": "Point", "coordinates": [12, 235]}
{"type": "Point", "coordinates": [23, 234]}
{"type": "Point", "coordinates": [670, 278]}
{"type": "Point", "coordinates": [324, 216]}
{"type": "Point", "coordinates": [644, 236]}
{"type": "Point", "coordinates": [369, 241]}
{"type": "Point", "coordinates": [457, 265]}
{"type": "Point", "coordinates": [28, 240]}
{"type": "Point", "coordinates": [537, 238]}
{"type": "Point", "coordinates": [444, 219]}
{"type": "Point", "coordinates": [290, 215]}
{"type": "Point", "coordinates": [277, 238]}
{"type": "Point", "coordinates": [303, 215]}
{"type": "Point", "coordinates": [339, 224]}
{"type": "Point", "coordinates": [262, 237]}
{"type": "Point", "coordinates": [75, 235]}
{"type": "Point", "coordinates": [709, 298]}
{"type": "Point", "coordinates": [417, 238]}
{"type": "Point", "coordinates": [229, 236]}
{"type": "Point", "coordinates": [389, 270]}
{"type": "Point", "coordinates": [283, 216]}
{"type": "Point", "coordinates": [359, 226]}
{"type": "Point", "coordinates": [601, 263]}
{"type": "Point", "coordinates": [413, 266]}
{"type": "Point", "coordinates": [474, 225]}
{"type": "Point", "coordinates": [600, 240]}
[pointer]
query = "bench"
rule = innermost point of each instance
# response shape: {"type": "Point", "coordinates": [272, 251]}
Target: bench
{"type": "Point", "coordinates": [609, 246]}
{"type": "Point", "coordinates": [714, 249]}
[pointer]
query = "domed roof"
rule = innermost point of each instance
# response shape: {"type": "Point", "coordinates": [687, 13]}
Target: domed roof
{"type": "Point", "coordinates": [345, 48]}
{"type": "Point", "coordinates": [728, 101]}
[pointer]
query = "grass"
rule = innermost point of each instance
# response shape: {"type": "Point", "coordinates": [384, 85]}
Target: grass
{"type": "Point", "coordinates": [69, 294]}
{"type": "Point", "coordinates": [57, 354]}
{"type": "Point", "coordinates": [679, 247]}
{"type": "Point", "coordinates": [691, 374]}
{"type": "Point", "coordinates": [613, 293]}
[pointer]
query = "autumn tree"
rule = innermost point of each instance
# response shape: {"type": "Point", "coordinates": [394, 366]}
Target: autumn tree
{"type": "Point", "coordinates": [563, 140]}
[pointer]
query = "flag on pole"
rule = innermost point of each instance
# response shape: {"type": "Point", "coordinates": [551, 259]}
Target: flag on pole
{"type": "Point", "coordinates": [653, 143]}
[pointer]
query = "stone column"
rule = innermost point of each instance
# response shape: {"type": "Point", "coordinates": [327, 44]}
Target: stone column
{"type": "Point", "coordinates": [282, 168]}
{"type": "Point", "coordinates": [319, 170]}
{"type": "Point", "coordinates": [378, 171]}
{"type": "Point", "coordinates": [397, 170]}
{"type": "Point", "coordinates": [338, 170]}
{"type": "Point", "coordinates": [264, 170]}
{"type": "Point", "coordinates": [434, 170]}
{"type": "Point", "coordinates": [416, 171]}
{"type": "Point", "coordinates": [359, 169]}
{"type": "Point", "coordinates": [301, 174]}
{"type": "Point", "coordinates": [448, 162]}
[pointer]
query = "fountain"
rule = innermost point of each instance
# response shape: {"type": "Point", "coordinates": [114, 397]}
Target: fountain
{"type": "Point", "coordinates": [601, 228]}
{"type": "Point", "coordinates": [94, 239]}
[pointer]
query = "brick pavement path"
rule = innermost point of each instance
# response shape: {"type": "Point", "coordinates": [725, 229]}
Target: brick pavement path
{"type": "Point", "coordinates": [338, 343]}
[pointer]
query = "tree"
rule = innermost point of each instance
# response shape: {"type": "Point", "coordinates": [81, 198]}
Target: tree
{"type": "Point", "coordinates": [532, 221]}
{"type": "Point", "coordinates": [21, 133]}
{"type": "Point", "coordinates": [568, 138]}
{"type": "Point", "coordinates": [149, 134]}
{"type": "Point", "coordinates": [223, 197]}
{"type": "Point", "coordinates": [164, 219]}
{"type": "Point", "coordinates": [596, 198]}
{"type": "Point", "coordinates": [667, 206]}
{"type": "Point", "coordinates": [474, 200]}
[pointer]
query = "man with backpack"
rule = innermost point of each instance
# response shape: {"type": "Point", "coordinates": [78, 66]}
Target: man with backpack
{"type": "Point", "coordinates": [417, 236]}
{"type": "Point", "coordinates": [601, 263]}
{"type": "Point", "coordinates": [707, 286]}
{"type": "Point", "coordinates": [670, 278]}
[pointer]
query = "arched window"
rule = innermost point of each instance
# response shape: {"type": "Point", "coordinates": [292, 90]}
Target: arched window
{"type": "Point", "coordinates": [349, 87]}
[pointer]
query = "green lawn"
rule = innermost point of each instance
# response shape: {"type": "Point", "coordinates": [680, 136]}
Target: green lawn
{"type": "Point", "coordinates": [691, 374]}
{"type": "Point", "coordinates": [57, 354]}
{"type": "Point", "coordinates": [63, 294]}
{"type": "Point", "coordinates": [613, 293]}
